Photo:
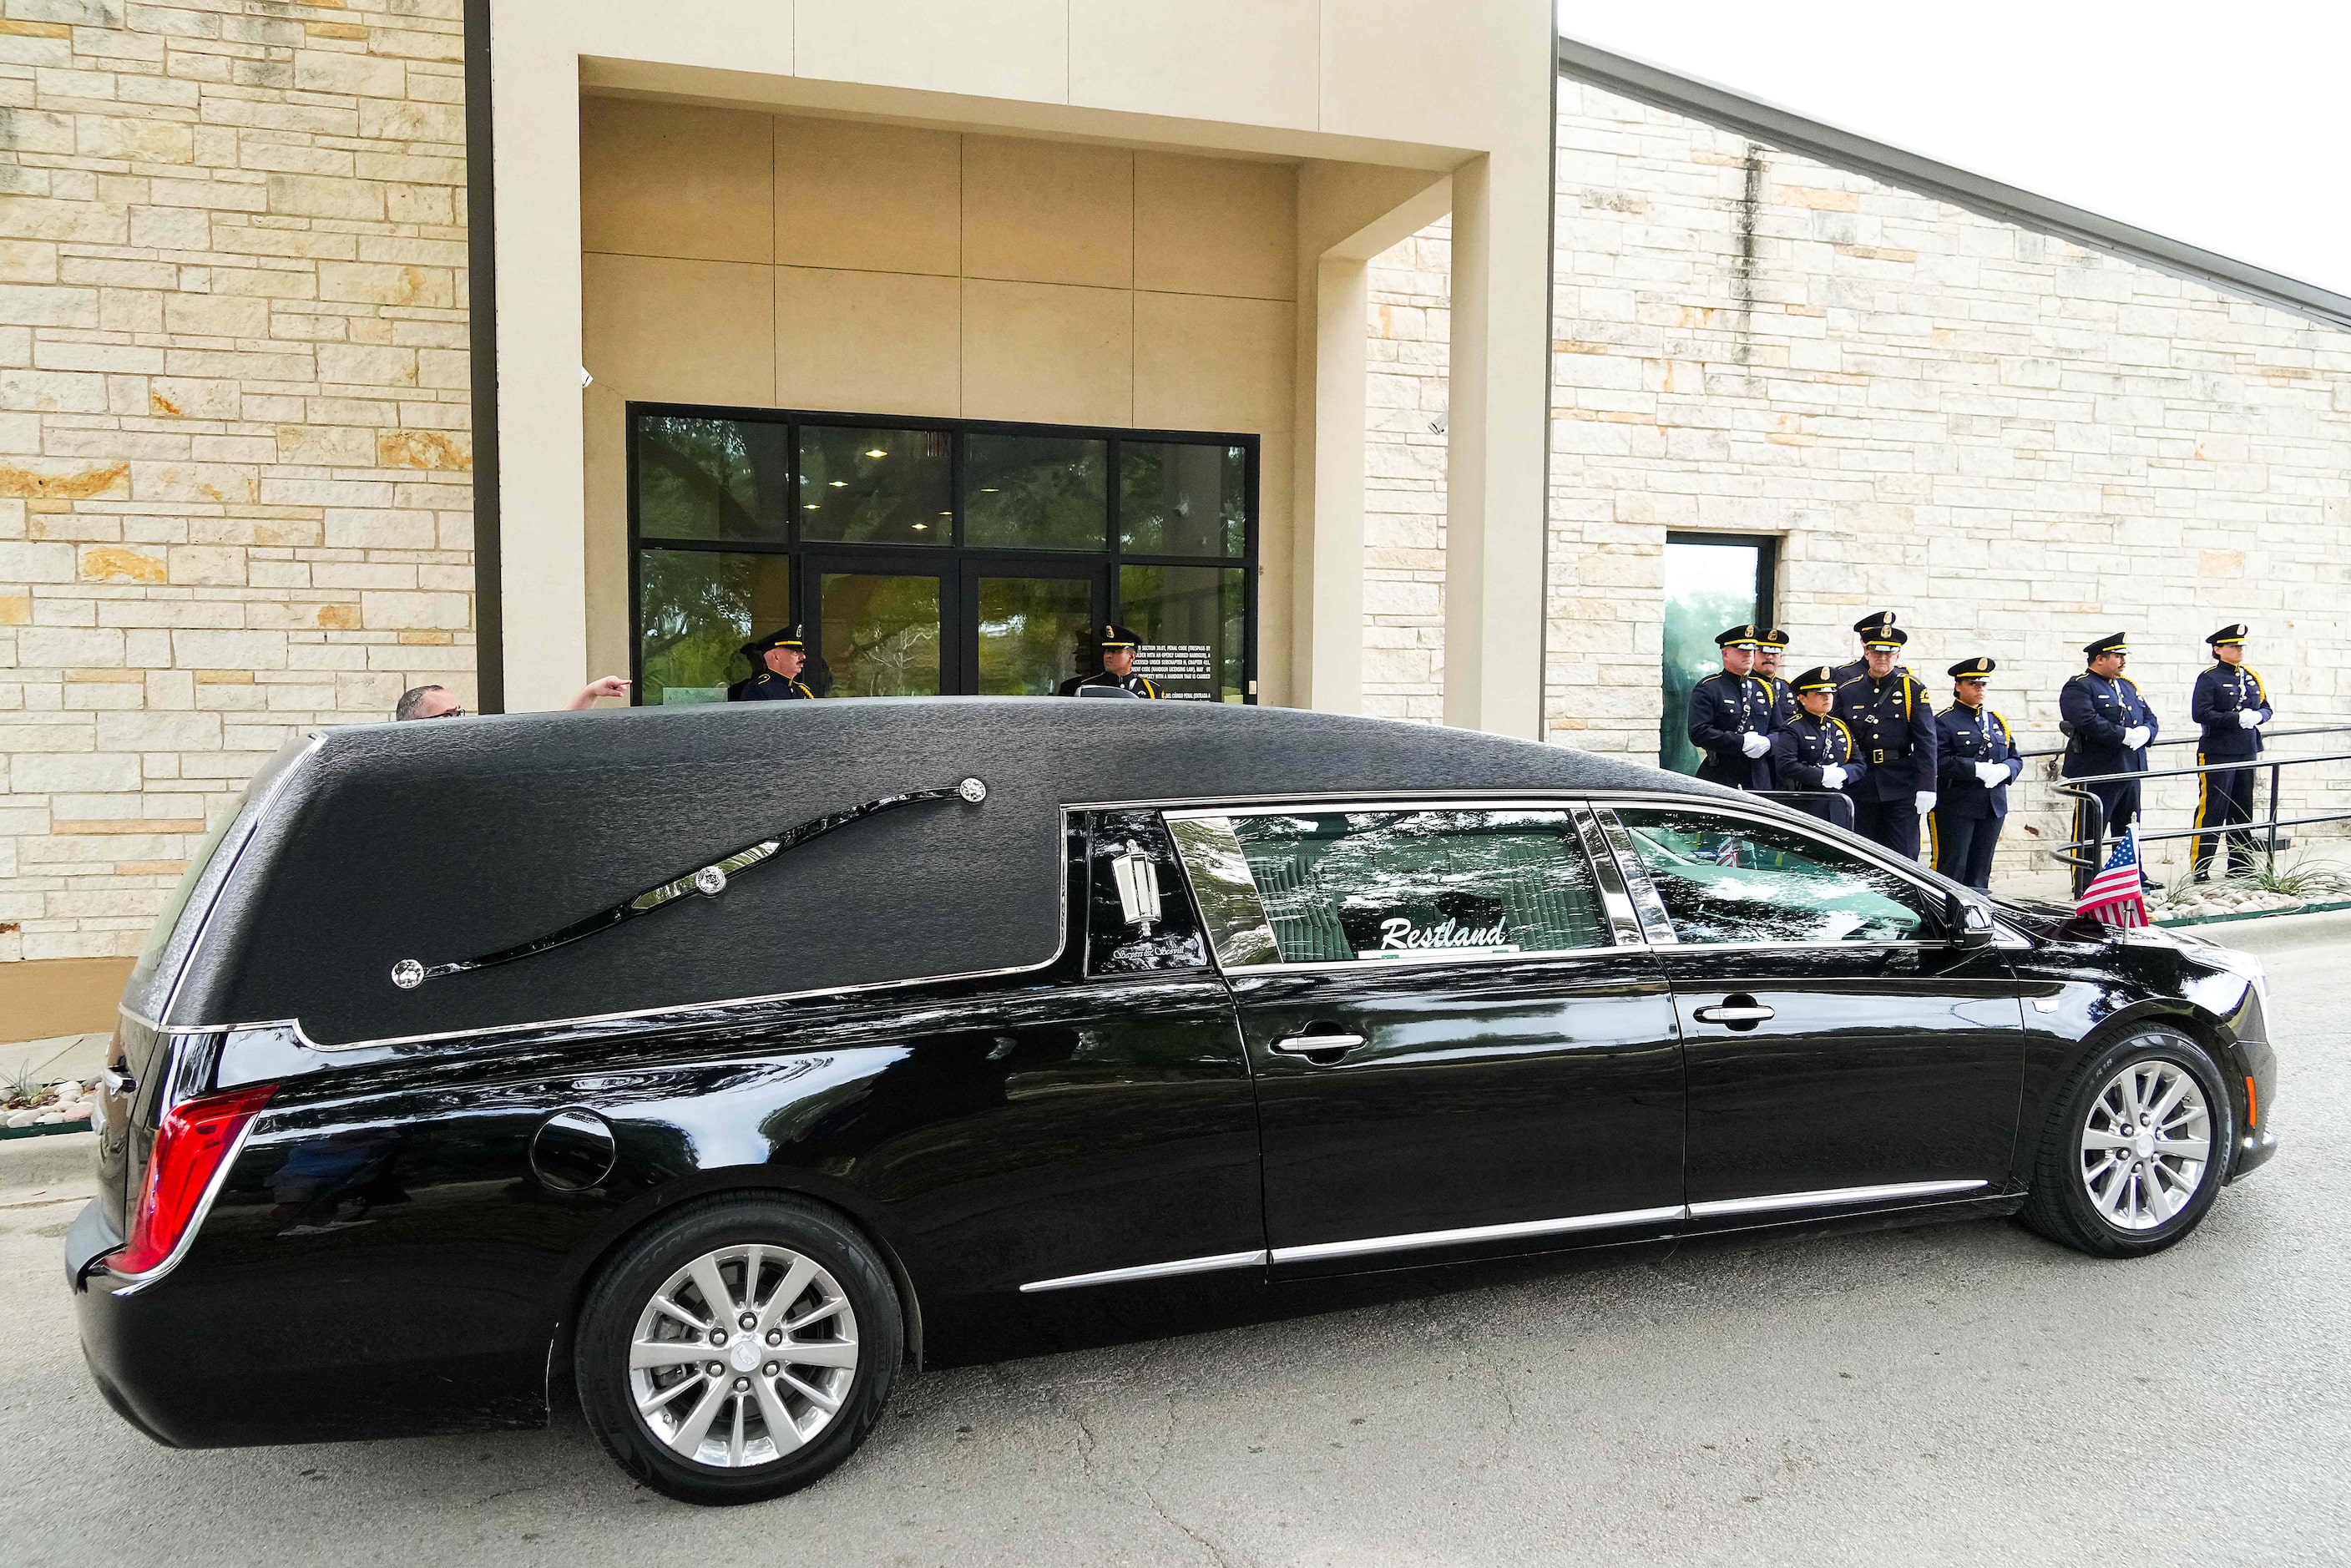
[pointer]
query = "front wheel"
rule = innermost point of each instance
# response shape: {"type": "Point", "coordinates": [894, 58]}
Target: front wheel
{"type": "Point", "coordinates": [739, 1350]}
{"type": "Point", "coordinates": [2135, 1148]}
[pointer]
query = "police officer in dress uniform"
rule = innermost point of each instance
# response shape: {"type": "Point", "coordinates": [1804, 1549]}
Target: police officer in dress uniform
{"type": "Point", "coordinates": [2230, 704]}
{"type": "Point", "coordinates": [1768, 648]}
{"type": "Point", "coordinates": [1118, 646]}
{"type": "Point", "coordinates": [777, 661]}
{"type": "Point", "coordinates": [1876, 623]}
{"type": "Point", "coordinates": [2107, 726]}
{"type": "Point", "coordinates": [1977, 760]}
{"type": "Point", "coordinates": [1731, 717]}
{"type": "Point", "coordinates": [1892, 724]}
{"type": "Point", "coordinates": [1815, 750]}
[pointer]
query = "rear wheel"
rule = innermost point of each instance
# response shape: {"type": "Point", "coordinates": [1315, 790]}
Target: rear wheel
{"type": "Point", "coordinates": [2135, 1148]}
{"type": "Point", "coordinates": [739, 1350]}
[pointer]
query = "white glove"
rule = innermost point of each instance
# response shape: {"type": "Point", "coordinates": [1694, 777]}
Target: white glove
{"type": "Point", "coordinates": [1926, 801]}
{"type": "Point", "coordinates": [1991, 775]}
{"type": "Point", "coordinates": [2137, 736]}
{"type": "Point", "coordinates": [1754, 745]}
{"type": "Point", "coordinates": [1832, 776]}
{"type": "Point", "coordinates": [2249, 718]}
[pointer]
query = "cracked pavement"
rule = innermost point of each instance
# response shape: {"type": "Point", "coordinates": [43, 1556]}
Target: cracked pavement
{"type": "Point", "coordinates": [1963, 1393]}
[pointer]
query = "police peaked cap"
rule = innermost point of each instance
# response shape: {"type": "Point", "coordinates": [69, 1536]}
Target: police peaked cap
{"type": "Point", "coordinates": [784, 637]}
{"type": "Point", "coordinates": [1819, 678]}
{"type": "Point", "coordinates": [1885, 635]}
{"type": "Point", "coordinates": [1774, 638]}
{"type": "Point", "coordinates": [1116, 636]}
{"type": "Point", "coordinates": [2234, 631]}
{"type": "Point", "coordinates": [1876, 623]}
{"type": "Point", "coordinates": [1975, 669]}
{"type": "Point", "coordinates": [1738, 637]}
{"type": "Point", "coordinates": [2117, 643]}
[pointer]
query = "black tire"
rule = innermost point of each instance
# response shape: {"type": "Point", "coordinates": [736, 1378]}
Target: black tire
{"type": "Point", "coordinates": [624, 1292]}
{"type": "Point", "coordinates": [2062, 1206]}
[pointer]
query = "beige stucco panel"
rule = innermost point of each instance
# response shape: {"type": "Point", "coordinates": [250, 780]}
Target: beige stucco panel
{"type": "Point", "coordinates": [1048, 212]}
{"type": "Point", "coordinates": [1215, 225]}
{"type": "Point", "coordinates": [661, 178]}
{"type": "Point", "coordinates": [1204, 362]}
{"type": "Point", "coordinates": [1206, 60]}
{"type": "Point", "coordinates": [690, 331]}
{"type": "Point", "coordinates": [605, 541]}
{"type": "Point", "coordinates": [991, 49]}
{"type": "Point", "coordinates": [883, 198]}
{"type": "Point", "coordinates": [1049, 353]}
{"type": "Point", "coordinates": [869, 342]}
{"type": "Point", "coordinates": [1475, 76]}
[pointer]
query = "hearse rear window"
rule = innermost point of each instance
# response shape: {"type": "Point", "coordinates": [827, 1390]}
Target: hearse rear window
{"type": "Point", "coordinates": [1402, 886]}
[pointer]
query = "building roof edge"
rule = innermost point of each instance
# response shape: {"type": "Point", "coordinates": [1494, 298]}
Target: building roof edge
{"type": "Point", "coordinates": [1781, 128]}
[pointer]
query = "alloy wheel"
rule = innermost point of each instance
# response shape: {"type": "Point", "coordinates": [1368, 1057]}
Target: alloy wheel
{"type": "Point", "coordinates": [2146, 1144]}
{"type": "Point", "coordinates": [743, 1356]}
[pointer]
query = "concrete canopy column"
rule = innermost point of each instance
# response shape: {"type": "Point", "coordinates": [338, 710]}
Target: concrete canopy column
{"type": "Point", "coordinates": [1497, 423]}
{"type": "Point", "coordinates": [542, 488]}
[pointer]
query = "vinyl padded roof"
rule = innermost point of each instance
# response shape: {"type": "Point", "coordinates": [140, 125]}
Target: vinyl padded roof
{"type": "Point", "coordinates": [448, 839]}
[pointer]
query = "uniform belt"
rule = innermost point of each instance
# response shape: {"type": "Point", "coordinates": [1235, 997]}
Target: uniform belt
{"type": "Point", "coordinates": [1884, 754]}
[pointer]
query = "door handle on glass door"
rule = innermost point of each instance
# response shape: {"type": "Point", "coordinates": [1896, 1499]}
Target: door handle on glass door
{"type": "Point", "coordinates": [1736, 1014]}
{"type": "Point", "coordinates": [1316, 1044]}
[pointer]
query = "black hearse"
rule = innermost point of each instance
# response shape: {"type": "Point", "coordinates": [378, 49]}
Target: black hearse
{"type": "Point", "coordinates": [716, 1062]}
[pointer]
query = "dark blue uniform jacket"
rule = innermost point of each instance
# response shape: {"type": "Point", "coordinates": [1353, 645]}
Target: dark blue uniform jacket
{"type": "Point", "coordinates": [1893, 725]}
{"type": "Point", "coordinates": [766, 687]}
{"type": "Point", "coordinates": [1807, 745]}
{"type": "Point", "coordinates": [1722, 709]}
{"type": "Point", "coordinates": [2221, 692]}
{"type": "Point", "coordinates": [1964, 737]}
{"type": "Point", "coordinates": [2096, 711]}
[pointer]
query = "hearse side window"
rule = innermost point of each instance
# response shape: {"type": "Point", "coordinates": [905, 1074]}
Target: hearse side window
{"type": "Point", "coordinates": [1724, 878]}
{"type": "Point", "coordinates": [1148, 925]}
{"type": "Point", "coordinates": [1419, 886]}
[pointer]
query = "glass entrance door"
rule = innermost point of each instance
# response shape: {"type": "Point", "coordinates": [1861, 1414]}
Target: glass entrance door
{"type": "Point", "coordinates": [1029, 625]}
{"type": "Point", "coordinates": [880, 632]}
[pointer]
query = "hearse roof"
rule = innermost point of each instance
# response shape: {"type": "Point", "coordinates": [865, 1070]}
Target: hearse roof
{"type": "Point", "coordinates": [443, 841]}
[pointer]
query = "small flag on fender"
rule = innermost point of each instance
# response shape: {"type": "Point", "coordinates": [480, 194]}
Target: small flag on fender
{"type": "Point", "coordinates": [2114, 896]}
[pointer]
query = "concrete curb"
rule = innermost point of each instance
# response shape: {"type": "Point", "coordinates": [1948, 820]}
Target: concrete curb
{"type": "Point", "coordinates": [2277, 933]}
{"type": "Point", "coordinates": [58, 1162]}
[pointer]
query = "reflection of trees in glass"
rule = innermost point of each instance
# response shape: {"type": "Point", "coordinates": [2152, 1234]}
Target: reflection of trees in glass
{"type": "Point", "coordinates": [709, 479]}
{"type": "Point", "coordinates": [882, 634]}
{"type": "Point", "coordinates": [697, 609]}
{"type": "Point", "coordinates": [876, 486]}
{"type": "Point", "coordinates": [1034, 492]}
{"type": "Point", "coordinates": [1783, 888]}
{"type": "Point", "coordinates": [1708, 585]}
{"type": "Point", "coordinates": [1027, 627]}
{"type": "Point", "coordinates": [1195, 605]}
{"type": "Point", "coordinates": [1177, 499]}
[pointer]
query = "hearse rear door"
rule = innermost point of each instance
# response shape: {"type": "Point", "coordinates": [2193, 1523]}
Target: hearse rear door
{"type": "Point", "coordinates": [1460, 1045]}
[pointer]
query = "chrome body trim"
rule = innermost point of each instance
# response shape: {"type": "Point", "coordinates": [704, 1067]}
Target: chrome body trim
{"type": "Point", "coordinates": [1149, 1271]}
{"type": "Point", "coordinates": [134, 1283]}
{"type": "Point", "coordinates": [1831, 1196]}
{"type": "Point", "coordinates": [1370, 1244]}
{"type": "Point", "coordinates": [1613, 893]}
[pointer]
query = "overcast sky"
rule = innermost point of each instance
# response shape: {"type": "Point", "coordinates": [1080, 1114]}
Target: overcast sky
{"type": "Point", "coordinates": [2226, 126]}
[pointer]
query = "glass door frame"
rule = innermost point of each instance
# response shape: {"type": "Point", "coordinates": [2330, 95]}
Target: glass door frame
{"type": "Point", "coordinates": [1102, 575]}
{"type": "Point", "coordinates": [1767, 577]}
{"type": "Point", "coordinates": [956, 666]}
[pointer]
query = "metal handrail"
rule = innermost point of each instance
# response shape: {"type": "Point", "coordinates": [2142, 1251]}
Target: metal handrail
{"type": "Point", "coordinates": [2096, 820]}
{"type": "Point", "coordinates": [2198, 739]}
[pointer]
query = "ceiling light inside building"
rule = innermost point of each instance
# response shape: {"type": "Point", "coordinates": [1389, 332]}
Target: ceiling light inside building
{"type": "Point", "coordinates": [840, 484]}
{"type": "Point", "coordinates": [875, 452]}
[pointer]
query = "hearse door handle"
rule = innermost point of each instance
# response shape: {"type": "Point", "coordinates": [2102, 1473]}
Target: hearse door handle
{"type": "Point", "coordinates": [1316, 1044]}
{"type": "Point", "coordinates": [1736, 1014]}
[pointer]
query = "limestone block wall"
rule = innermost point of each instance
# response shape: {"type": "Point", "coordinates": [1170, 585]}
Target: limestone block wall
{"type": "Point", "coordinates": [233, 458]}
{"type": "Point", "coordinates": [1404, 482]}
{"type": "Point", "coordinates": [2015, 443]}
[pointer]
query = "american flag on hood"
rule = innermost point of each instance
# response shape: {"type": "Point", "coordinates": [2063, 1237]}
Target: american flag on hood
{"type": "Point", "coordinates": [2114, 896]}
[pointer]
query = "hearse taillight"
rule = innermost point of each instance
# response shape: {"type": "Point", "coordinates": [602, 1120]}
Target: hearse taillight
{"type": "Point", "coordinates": [194, 1139]}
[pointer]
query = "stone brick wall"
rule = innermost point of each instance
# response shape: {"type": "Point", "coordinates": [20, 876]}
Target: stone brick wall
{"type": "Point", "coordinates": [2015, 443]}
{"type": "Point", "coordinates": [234, 460]}
{"type": "Point", "coordinates": [1404, 485]}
